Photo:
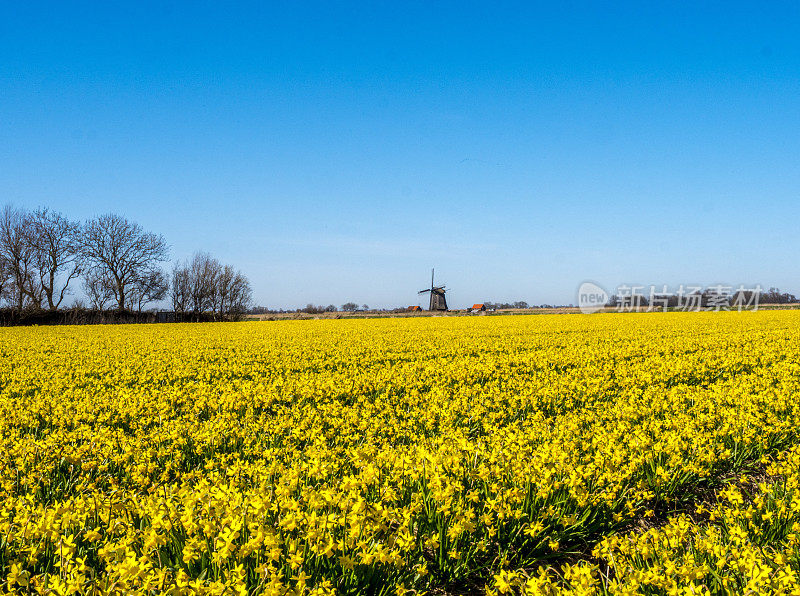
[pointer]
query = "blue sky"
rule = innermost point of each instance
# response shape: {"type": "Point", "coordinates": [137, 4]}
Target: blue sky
{"type": "Point", "coordinates": [337, 152]}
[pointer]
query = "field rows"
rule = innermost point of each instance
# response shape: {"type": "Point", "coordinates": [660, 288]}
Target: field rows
{"type": "Point", "coordinates": [623, 454]}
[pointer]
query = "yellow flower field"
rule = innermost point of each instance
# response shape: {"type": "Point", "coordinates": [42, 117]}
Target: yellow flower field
{"type": "Point", "coordinates": [621, 454]}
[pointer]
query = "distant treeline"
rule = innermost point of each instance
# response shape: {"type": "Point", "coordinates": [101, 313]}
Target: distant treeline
{"type": "Point", "coordinates": [44, 255]}
{"type": "Point", "coordinates": [315, 309]}
{"type": "Point", "coordinates": [707, 298]}
{"type": "Point", "coordinates": [505, 305]}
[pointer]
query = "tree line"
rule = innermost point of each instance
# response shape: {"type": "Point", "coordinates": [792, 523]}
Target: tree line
{"type": "Point", "coordinates": [317, 309]}
{"type": "Point", "coordinates": [505, 305]}
{"type": "Point", "coordinates": [203, 284]}
{"type": "Point", "coordinates": [44, 254]}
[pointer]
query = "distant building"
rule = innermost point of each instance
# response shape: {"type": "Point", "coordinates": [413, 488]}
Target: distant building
{"type": "Point", "coordinates": [478, 307]}
{"type": "Point", "coordinates": [415, 309]}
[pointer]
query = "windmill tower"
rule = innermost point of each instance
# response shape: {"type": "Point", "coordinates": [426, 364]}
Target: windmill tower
{"type": "Point", "coordinates": [438, 301]}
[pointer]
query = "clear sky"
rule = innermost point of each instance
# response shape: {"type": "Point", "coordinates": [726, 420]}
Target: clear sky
{"type": "Point", "coordinates": [337, 151]}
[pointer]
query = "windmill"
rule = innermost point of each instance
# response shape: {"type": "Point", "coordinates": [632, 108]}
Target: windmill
{"type": "Point", "coordinates": [438, 301]}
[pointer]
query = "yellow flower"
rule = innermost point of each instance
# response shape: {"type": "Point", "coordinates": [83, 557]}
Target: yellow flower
{"type": "Point", "coordinates": [18, 576]}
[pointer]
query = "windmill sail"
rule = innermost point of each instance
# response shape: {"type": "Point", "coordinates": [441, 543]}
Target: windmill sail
{"type": "Point", "coordinates": [438, 301]}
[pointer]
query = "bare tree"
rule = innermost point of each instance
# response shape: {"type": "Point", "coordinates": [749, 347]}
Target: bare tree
{"type": "Point", "coordinates": [203, 273]}
{"type": "Point", "coordinates": [121, 250]}
{"type": "Point", "coordinates": [240, 296]}
{"type": "Point", "coordinates": [98, 288]}
{"type": "Point", "coordinates": [54, 240]}
{"type": "Point", "coordinates": [180, 288]}
{"type": "Point", "coordinates": [5, 278]}
{"type": "Point", "coordinates": [18, 255]}
{"type": "Point", "coordinates": [224, 286]}
{"type": "Point", "coordinates": [150, 287]}
{"type": "Point", "coordinates": [232, 293]}
{"type": "Point", "coordinates": [204, 284]}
